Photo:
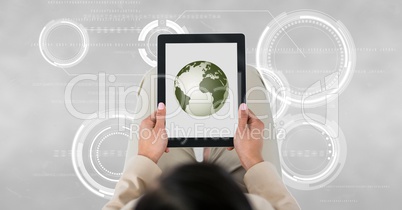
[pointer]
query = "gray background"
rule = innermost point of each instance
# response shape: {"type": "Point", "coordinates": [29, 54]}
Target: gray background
{"type": "Point", "coordinates": [37, 131]}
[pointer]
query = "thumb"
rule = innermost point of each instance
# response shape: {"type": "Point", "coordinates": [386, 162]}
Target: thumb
{"type": "Point", "coordinates": [160, 115]}
{"type": "Point", "coordinates": [243, 116]}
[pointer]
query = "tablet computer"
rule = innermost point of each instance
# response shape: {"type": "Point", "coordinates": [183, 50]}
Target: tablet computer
{"type": "Point", "coordinates": [201, 79]}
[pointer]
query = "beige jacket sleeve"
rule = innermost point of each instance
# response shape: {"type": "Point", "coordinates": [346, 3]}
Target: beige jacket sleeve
{"type": "Point", "coordinates": [140, 173]}
{"type": "Point", "coordinates": [263, 180]}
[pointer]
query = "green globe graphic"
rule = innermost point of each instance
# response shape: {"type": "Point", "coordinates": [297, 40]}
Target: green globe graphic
{"type": "Point", "coordinates": [201, 88]}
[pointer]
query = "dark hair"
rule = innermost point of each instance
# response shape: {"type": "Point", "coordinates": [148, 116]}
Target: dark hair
{"type": "Point", "coordinates": [196, 186]}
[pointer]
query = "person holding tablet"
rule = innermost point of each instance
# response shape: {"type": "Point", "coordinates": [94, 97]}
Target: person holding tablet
{"type": "Point", "coordinates": [241, 168]}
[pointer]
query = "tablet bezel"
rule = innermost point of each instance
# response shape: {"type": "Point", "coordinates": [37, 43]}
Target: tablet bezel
{"type": "Point", "coordinates": [164, 39]}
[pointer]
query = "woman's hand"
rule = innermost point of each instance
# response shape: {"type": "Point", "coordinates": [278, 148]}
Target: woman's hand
{"type": "Point", "coordinates": [248, 140]}
{"type": "Point", "coordinates": [152, 135]}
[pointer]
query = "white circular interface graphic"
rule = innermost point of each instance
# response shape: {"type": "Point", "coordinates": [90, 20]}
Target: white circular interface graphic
{"type": "Point", "coordinates": [306, 47]}
{"type": "Point", "coordinates": [99, 151]}
{"type": "Point", "coordinates": [149, 36]}
{"type": "Point", "coordinates": [312, 155]}
{"type": "Point", "coordinates": [63, 43]}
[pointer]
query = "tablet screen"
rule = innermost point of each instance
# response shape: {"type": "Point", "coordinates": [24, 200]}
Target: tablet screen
{"type": "Point", "coordinates": [201, 89]}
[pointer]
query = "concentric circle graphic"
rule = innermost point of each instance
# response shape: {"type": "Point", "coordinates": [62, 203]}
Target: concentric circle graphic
{"type": "Point", "coordinates": [308, 46]}
{"type": "Point", "coordinates": [149, 34]}
{"type": "Point", "coordinates": [98, 153]}
{"type": "Point", "coordinates": [63, 43]}
{"type": "Point", "coordinates": [312, 155]}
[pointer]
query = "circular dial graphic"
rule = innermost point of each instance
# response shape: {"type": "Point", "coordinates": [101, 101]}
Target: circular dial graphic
{"type": "Point", "coordinates": [99, 152]}
{"type": "Point", "coordinates": [308, 47]}
{"type": "Point", "coordinates": [149, 35]}
{"type": "Point", "coordinates": [201, 88]}
{"type": "Point", "coordinates": [312, 155]}
{"type": "Point", "coordinates": [63, 43]}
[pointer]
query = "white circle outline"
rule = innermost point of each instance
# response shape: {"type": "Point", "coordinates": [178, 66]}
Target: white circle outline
{"type": "Point", "coordinates": [339, 29]}
{"type": "Point", "coordinates": [91, 149]}
{"type": "Point", "coordinates": [338, 156]}
{"type": "Point", "coordinates": [59, 62]}
{"type": "Point", "coordinates": [153, 25]}
{"type": "Point", "coordinates": [77, 159]}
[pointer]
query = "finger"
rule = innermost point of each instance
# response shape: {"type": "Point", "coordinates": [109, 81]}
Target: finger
{"type": "Point", "coordinates": [230, 148]}
{"type": "Point", "coordinates": [243, 116]}
{"type": "Point", "coordinates": [251, 115]}
{"type": "Point", "coordinates": [160, 115]}
{"type": "Point", "coordinates": [148, 122]}
{"type": "Point", "coordinates": [254, 121]}
{"type": "Point", "coordinates": [153, 116]}
{"type": "Point", "coordinates": [167, 150]}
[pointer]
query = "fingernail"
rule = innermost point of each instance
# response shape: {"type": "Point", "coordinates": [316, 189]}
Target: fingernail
{"type": "Point", "coordinates": [161, 106]}
{"type": "Point", "coordinates": [243, 106]}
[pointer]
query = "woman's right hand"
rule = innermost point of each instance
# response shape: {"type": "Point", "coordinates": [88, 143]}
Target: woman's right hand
{"type": "Point", "coordinates": [248, 140]}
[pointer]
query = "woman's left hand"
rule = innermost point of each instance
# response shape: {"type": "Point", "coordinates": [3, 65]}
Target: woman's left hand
{"type": "Point", "coordinates": [153, 139]}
